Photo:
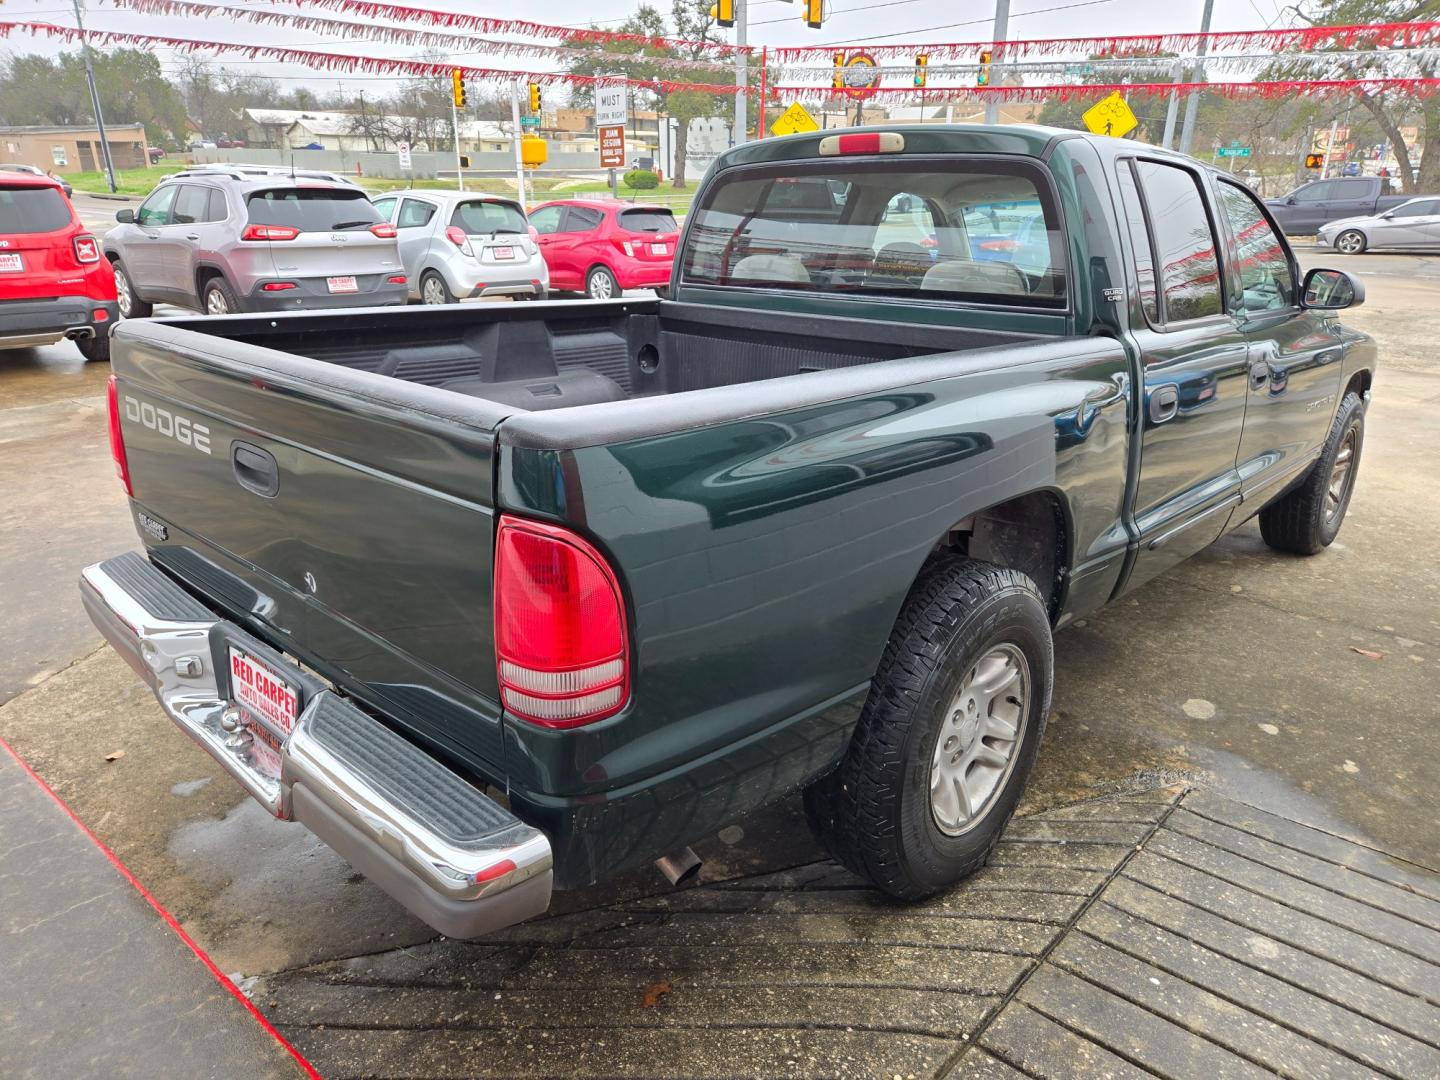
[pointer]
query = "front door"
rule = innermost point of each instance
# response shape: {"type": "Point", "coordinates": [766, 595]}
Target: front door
{"type": "Point", "coordinates": [1195, 367]}
{"type": "Point", "coordinates": [143, 258]}
{"type": "Point", "coordinates": [1295, 354]}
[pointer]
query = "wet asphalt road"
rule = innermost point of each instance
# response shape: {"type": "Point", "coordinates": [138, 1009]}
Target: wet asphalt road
{"type": "Point", "coordinates": [1304, 686]}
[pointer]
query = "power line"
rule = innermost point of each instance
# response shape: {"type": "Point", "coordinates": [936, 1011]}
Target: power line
{"type": "Point", "coordinates": [950, 26]}
{"type": "Point", "coordinates": [843, 11]}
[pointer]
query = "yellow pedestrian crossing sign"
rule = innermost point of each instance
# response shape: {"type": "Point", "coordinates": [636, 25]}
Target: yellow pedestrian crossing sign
{"type": "Point", "coordinates": [1110, 116]}
{"type": "Point", "coordinates": [794, 121]}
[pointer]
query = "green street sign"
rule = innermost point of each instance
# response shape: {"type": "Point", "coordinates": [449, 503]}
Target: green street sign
{"type": "Point", "coordinates": [1232, 151]}
{"type": "Point", "coordinates": [529, 122]}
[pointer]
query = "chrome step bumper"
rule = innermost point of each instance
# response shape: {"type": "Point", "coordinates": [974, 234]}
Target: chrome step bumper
{"type": "Point", "coordinates": [455, 858]}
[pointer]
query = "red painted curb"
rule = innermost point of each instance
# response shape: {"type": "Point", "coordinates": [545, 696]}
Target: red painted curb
{"type": "Point", "coordinates": [170, 920]}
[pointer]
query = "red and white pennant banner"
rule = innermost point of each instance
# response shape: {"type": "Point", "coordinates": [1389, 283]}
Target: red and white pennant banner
{"type": "Point", "coordinates": [478, 24]}
{"type": "Point", "coordinates": [324, 61]}
{"type": "Point", "coordinates": [1373, 35]}
{"type": "Point", "coordinates": [399, 35]}
{"type": "Point", "coordinates": [1416, 87]}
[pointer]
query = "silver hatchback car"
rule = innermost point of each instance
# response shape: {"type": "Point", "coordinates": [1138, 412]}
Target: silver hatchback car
{"type": "Point", "coordinates": [458, 244]}
{"type": "Point", "coordinates": [219, 242]}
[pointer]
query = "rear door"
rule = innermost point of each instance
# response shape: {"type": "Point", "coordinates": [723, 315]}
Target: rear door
{"type": "Point", "coordinates": [174, 243]}
{"type": "Point", "coordinates": [1352, 197]}
{"type": "Point", "coordinates": [415, 223]}
{"type": "Point", "coordinates": [334, 249]}
{"type": "Point", "coordinates": [1195, 361]}
{"type": "Point", "coordinates": [1295, 354]}
{"type": "Point", "coordinates": [577, 242]}
{"type": "Point", "coordinates": [35, 249]}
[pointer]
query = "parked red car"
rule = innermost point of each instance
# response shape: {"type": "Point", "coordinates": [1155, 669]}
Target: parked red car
{"type": "Point", "coordinates": [54, 280]}
{"type": "Point", "coordinates": [601, 246]}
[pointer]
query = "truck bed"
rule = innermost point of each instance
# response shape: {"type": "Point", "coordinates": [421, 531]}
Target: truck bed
{"type": "Point", "coordinates": [560, 355]}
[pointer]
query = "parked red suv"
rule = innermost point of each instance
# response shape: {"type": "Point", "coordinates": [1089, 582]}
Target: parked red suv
{"type": "Point", "coordinates": [54, 280]}
{"type": "Point", "coordinates": [601, 246]}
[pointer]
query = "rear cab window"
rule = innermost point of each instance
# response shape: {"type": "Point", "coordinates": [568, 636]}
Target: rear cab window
{"type": "Point", "coordinates": [312, 209]}
{"type": "Point", "coordinates": [488, 216]}
{"type": "Point", "coordinates": [965, 229]}
{"type": "Point", "coordinates": [32, 210]}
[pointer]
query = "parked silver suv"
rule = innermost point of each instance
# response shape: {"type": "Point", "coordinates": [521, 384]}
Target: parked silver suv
{"type": "Point", "coordinates": [458, 244]}
{"type": "Point", "coordinates": [219, 242]}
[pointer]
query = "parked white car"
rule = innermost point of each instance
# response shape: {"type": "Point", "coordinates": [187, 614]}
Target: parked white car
{"type": "Point", "coordinates": [1411, 226]}
{"type": "Point", "coordinates": [456, 245]}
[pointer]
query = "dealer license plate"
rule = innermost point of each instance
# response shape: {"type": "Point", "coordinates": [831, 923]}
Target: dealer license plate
{"type": "Point", "coordinates": [659, 249]}
{"type": "Point", "coordinates": [262, 693]}
{"type": "Point", "coordinates": [341, 284]}
{"type": "Point", "coordinates": [11, 264]}
{"type": "Point", "coordinates": [503, 252]}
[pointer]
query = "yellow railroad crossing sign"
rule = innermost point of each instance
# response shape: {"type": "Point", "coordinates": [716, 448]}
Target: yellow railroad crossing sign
{"type": "Point", "coordinates": [1110, 116]}
{"type": "Point", "coordinates": [794, 121]}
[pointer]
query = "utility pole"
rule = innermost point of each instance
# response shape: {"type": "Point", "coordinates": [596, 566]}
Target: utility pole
{"type": "Point", "coordinates": [95, 101]}
{"type": "Point", "coordinates": [1002, 28]}
{"type": "Point", "coordinates": [1192, 100]}
{"type": "Point", "coordinates": [1330, 146]}
{"type": "Point", "coordinates": [455, 134]}
{"type": "Point", "coordinates": [742, 74]}
{"type": "Point", "coordinates": [515, 139]}
{"type": "Point", "coordinates": [1177, 71]}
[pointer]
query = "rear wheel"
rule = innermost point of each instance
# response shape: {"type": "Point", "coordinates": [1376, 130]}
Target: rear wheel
{"type": "Point", "coordinates": [131, 306]}
{"type": "Point", "coordinates": [948, 735]}
{"type": "Point", "coordinates": [1307, 519]}
{"type": "Point", "coordinates": [433, 289]}
{"type": "Point", "coordinates": [219, 298]}
{"type": "Point", "coordinates": [1350, 242]}
{"type": "Point", "coordinates": [94, 348]}
{"type": "Point", "coordinates": [600, 284]}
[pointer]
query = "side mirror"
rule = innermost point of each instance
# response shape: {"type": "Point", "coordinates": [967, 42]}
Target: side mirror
{"type": "Point", "coordinates": [1290, 200]}
{"type": "Point", "coordinates": [1331, 290]}
{"type": "Point", "coordinates": [1388, 215]}
{"type": "Point", "coordinates": [125, 217]}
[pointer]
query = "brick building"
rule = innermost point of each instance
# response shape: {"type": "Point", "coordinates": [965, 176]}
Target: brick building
{"type": "Point", "coordinates": [65, 150]}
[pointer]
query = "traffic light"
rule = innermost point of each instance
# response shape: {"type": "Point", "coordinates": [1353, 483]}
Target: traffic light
{"type": "Point", "coordinates": [457, 88]}
{"type": "Point", "coordinates": [534, 97]}
{"type": "Point", "coordinates": [814, 13]}
{"type": "Point", "coordinates": [838, 81]}
{"type": "Point", "coordinates": [922, 61]}
{"type": "Point", "coordinates": [1314, 161]}
{"type": "Point", "coordinates": [982, 77]}
{"type": "Point", "coordinates": [723, 12]}
{"type": "Point", "coordinates": [464, 161]}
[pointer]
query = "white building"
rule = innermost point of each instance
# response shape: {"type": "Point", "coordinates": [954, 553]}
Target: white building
{"type": "Point", "coordinates": [350, 132]}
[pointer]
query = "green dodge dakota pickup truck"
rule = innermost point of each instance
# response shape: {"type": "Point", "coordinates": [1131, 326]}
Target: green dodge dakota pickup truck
{"type": "Point", "coordinates": [498, 599]}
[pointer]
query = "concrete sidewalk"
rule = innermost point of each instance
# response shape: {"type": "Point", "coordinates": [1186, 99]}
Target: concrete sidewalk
{"type": "Point", "coordinates": [95, 983]}
{"type": "Point", "coordinates": [1170, 934]}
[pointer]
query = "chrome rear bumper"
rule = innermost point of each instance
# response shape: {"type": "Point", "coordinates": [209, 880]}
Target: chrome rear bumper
{"type": "Point", "coordinates": [455, 858]}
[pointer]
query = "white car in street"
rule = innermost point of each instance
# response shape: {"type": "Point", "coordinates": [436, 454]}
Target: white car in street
{"type": "Point", "coordinates": [1411, 226]}
{"type": "Point", "coordinates": [457, 245]}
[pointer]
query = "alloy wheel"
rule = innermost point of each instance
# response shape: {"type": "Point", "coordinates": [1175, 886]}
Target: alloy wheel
{"type": "Point", "coordinates": [600, 285]}
{"type": "Point", "coordinates": [122, 293]}
{"type": "Point", "coordinates": [979, 739]}
{"type": "Point", "coordinates": [432, 290]}
{"type": "Point", "coordinates": [1350, 243]}
{"type": "Point", "coordinates": [215, 303]}
{"type": "Point", "coordinates": [1342, 475]}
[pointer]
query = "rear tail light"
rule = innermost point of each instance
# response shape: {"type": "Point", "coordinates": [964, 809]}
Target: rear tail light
{"type": "Point", "coordinates": [269, 232]}
{"type": "Point", "coordinates": [626, 246]}
{"type": "Point", "coordinates": [560, 640]}
{"type": "Point", "coordinates": [87, 248]}
{"type": "Point", "coordinates": [457, 236]}
{"type": "Point", "coordinates": [277, 286]}
{"type": "Point", "coordinates": [395, 279]}
{"type": "Point", "coordinates": [117, 440]}
{"type": "Point", "coordinates": [384, 230]}
{"type": "Point", "coordinates": [534, 232]}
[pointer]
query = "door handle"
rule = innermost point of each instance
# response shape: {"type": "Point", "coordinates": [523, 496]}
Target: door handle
{"type": "Point", "coordinates": [1259, 374]}
{"type": "Point", "coordinates": [255, 469]}
{"type": "Point", "coordinates": [192, 236]}
{"type": "Point", "coordinates": [1164, 403]}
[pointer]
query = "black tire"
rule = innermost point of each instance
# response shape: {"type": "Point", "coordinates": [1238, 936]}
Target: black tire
{"type": "Point", "coordinates": [1306, 520]}
{"type": "Point", "coordinates": [96, 348]}
{"type": "Point", "coordinates": [131, 306]}
{"type": "Point", "coordinates": [1351, 242]}
{"type": "Point", "coordinates": [874, 812]}
{"type": "Point", "coordinates": [600, 284]}
{"type": "Point", "coordinates": [432, 284]}
{"type": "Point", "coordinates": [218, 287]}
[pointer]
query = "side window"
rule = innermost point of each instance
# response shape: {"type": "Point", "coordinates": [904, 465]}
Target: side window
{"type": "Point", "coordinates": [414, 213]}
{"type": "Point", "coordinates": [1140, 241]}
{"type": "Point", "coordinates": [581, 219]}
{"type": "Point", "coordinates": [191, 205]}
{"type": "Point", "coordinates": [1418, 208]}
{"type": "Point", "coordinates": [1320, 191]}
{"type": "Point", "coordinates": [156, 209]}
{"type": "Point", "coordinates": [386, 207]}
{"type": "Point", "coordinates": [217, 210]}
{"type": "Point", "coordinates": [547, 219]}
{"type": "Point", "coordinates": [1184, 242]}
{"type": "Point", "coordinates": [1266, 281]}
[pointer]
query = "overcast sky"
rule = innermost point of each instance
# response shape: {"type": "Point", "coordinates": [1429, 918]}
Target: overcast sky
{"type": "Point", "coordinates": [772, 22]}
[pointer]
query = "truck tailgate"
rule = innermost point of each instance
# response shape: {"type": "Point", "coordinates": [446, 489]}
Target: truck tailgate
{"type": "Point", "coordinates": [345, 517]}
